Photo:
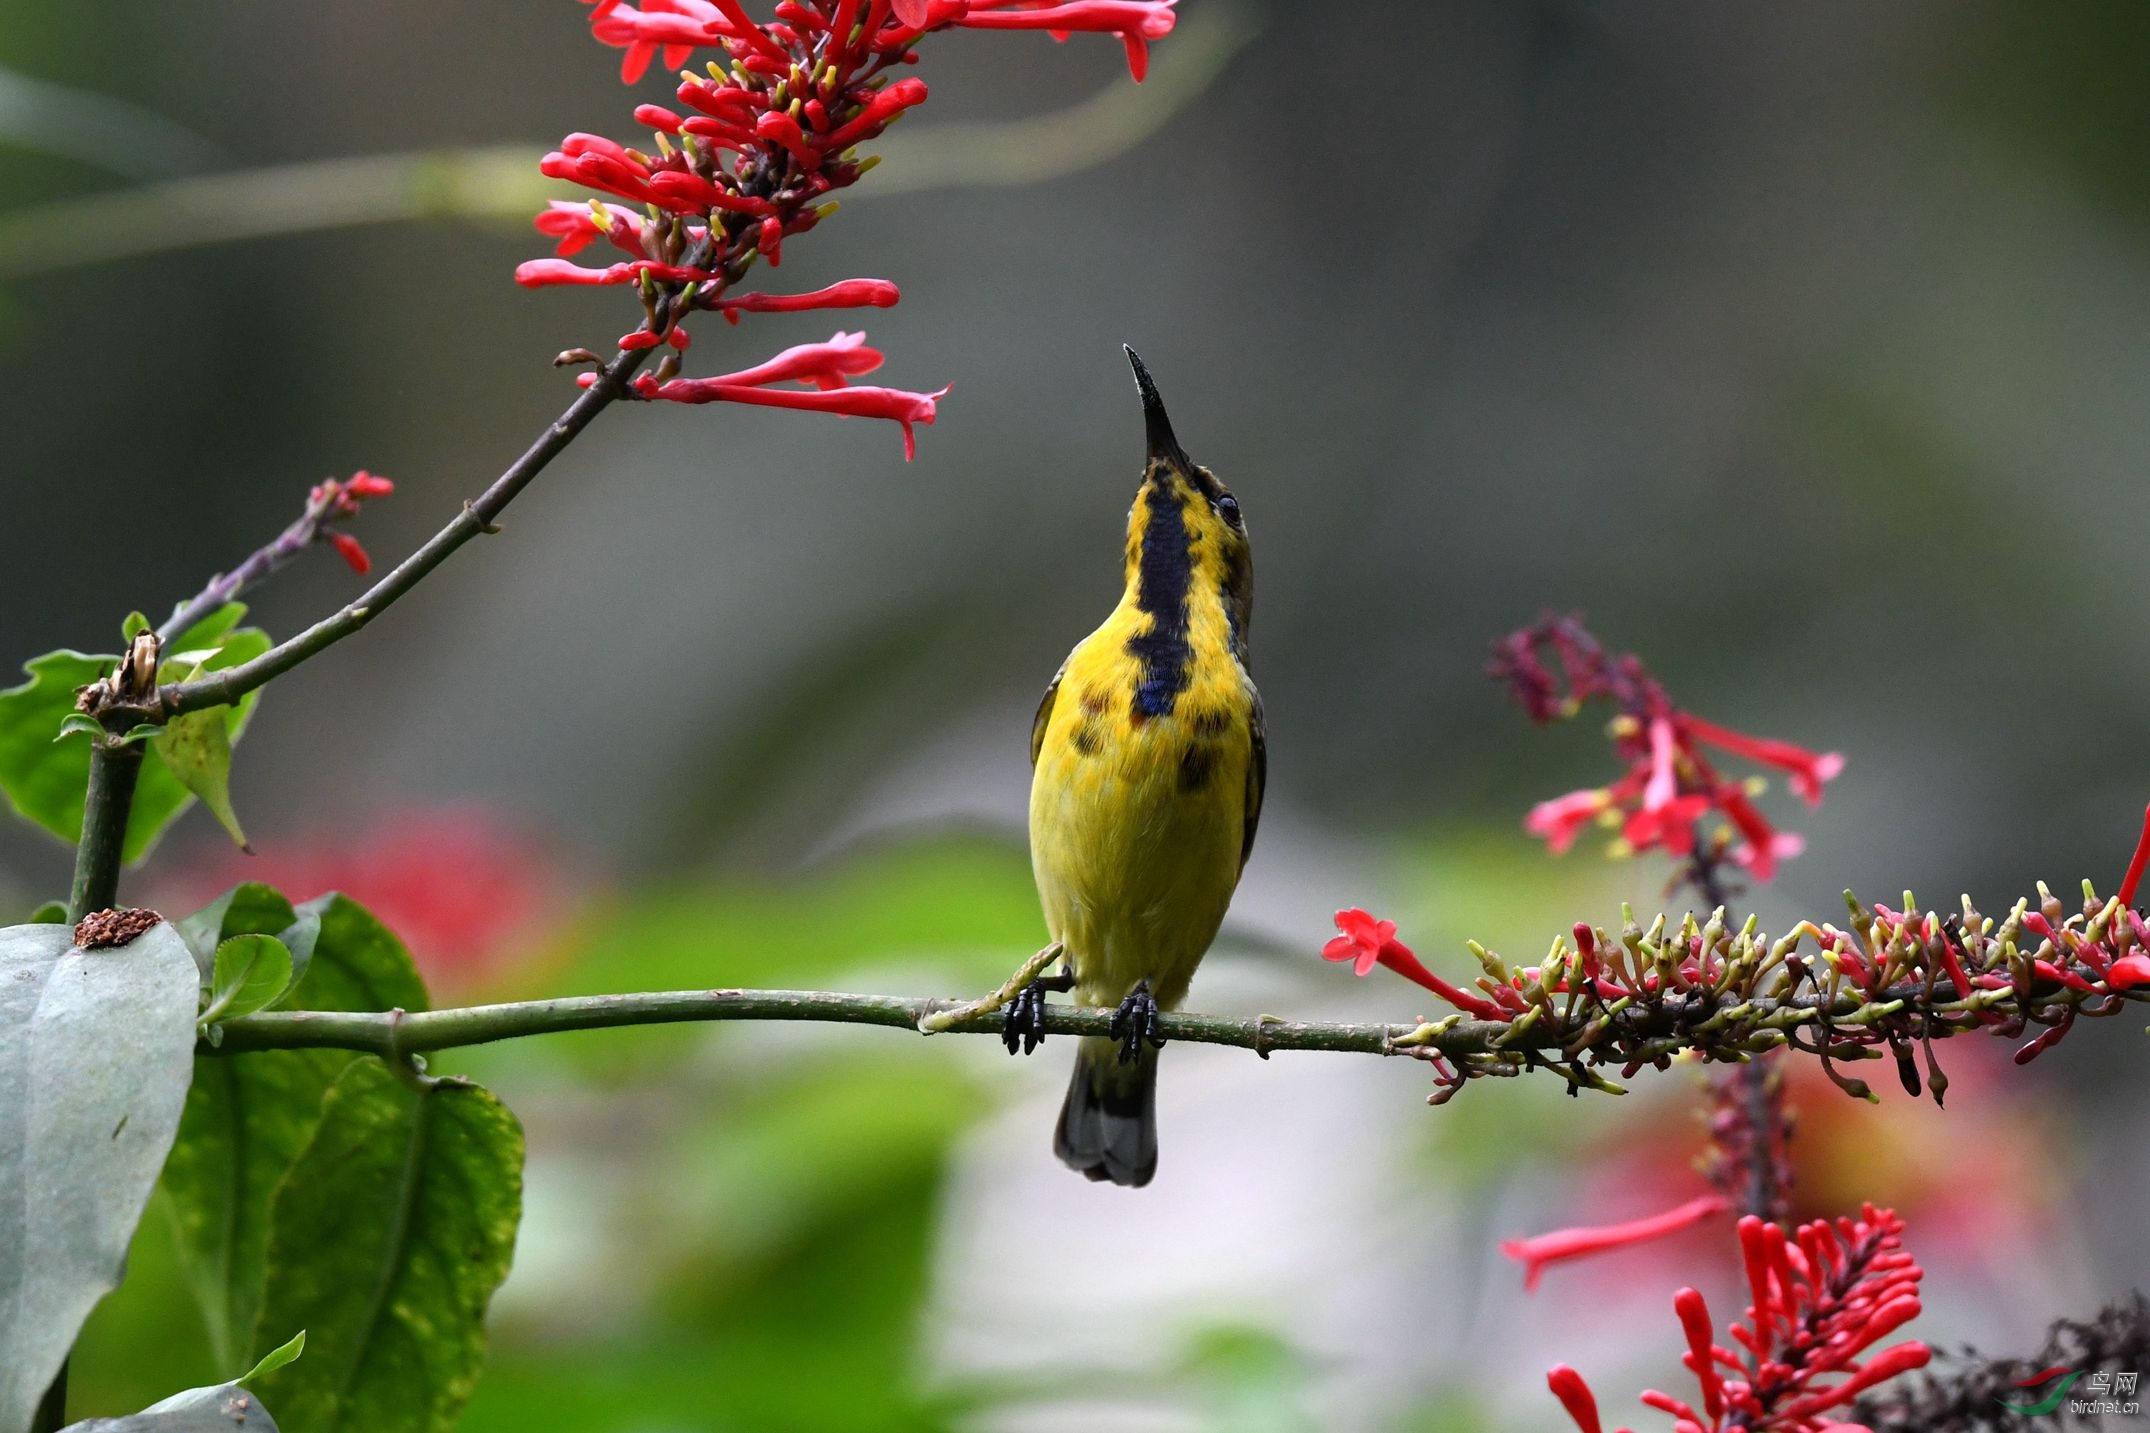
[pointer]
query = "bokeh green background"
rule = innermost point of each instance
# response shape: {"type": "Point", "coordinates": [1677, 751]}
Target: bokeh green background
{"type": "Point", "coordinates": [1801, 346]}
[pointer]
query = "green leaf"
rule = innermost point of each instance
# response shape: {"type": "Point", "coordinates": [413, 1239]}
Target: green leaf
{"type": "Point", "coordinates": [226, 1408]}
{"type": "Point", "coordinates": [44, 781]}
{"type": "Point", "coordinates": [196, 748]}
{"type": "Point", "coordinates": [358, 963]}
{"type": "Point", "coordinates": [275, 1358]}
{"type": "Point", "coordinates": [79, 724]}
{"type": "Point", "coordinates": [50, 913]}
{"type": "Point", "coordinates": [249, 908]}
{"type": "Point", "coordinates": [135, 625]}
{"type": "Point", "coordinates": [95, 1054]}
{"type": "Point", "coordinates": [251, 972]}
{"type": "Point", "coordinates": [387, 1241]}
{"type": "Point", "coordinates": [248, 1116]}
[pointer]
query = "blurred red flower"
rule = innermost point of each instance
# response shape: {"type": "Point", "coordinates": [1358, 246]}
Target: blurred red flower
{"type": "Point", "coordinates": [1670, 784]}
{"type": "Point", "coordinates": [1539, 1251]}
{"type": "Point", "coordinates": [467, 891]}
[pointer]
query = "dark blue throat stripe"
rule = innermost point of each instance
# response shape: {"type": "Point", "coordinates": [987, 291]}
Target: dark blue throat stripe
{"type": "Point", "coordinates": [1164, 574]}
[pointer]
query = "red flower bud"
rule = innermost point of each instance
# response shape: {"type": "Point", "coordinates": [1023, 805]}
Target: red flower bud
{"type": "Point", "coordinates": [353, 552]}
{"type": "Point", "coordinates": [2128, 972]}
{"type": "Point", "coordinates": [1575, 1396]}
{"type": "Point", "coordinates": [781, 128]}
{"type": "Point", "coordinates": [880, 112]}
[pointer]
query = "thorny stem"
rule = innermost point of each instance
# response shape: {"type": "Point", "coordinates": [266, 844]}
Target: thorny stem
{"type": "Point", "coordinates": [223, 687]}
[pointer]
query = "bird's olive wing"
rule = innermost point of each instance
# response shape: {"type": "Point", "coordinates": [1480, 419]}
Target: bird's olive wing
{"type": "Point", "coordinates": [1257, 779]}
{"type": "Point", "coordinates": [1045, 714]}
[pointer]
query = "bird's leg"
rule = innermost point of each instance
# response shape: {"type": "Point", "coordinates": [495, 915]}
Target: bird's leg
{"type": "Point", "coordinates": [1136, 1021]}
{"type": "Point", "coordinates": [1022, 1024]}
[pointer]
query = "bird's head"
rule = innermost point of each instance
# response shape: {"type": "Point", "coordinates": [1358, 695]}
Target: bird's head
{"type": "Point", "coordinates": [1184, 518]}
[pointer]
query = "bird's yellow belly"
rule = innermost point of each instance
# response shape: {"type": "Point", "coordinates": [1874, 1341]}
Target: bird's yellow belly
{"type": "Point", "coordinates": [1135, 838]}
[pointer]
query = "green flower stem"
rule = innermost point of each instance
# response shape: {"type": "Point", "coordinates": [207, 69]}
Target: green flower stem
{"type": "Point", "coordinates": [382, 1033]}
{"type": "Point", "coordinates": [106, 806]}
{"type": "Point", "coordinates": [224, 687]}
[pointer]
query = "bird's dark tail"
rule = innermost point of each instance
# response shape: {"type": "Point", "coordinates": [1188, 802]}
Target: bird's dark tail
{"type": "Point", "coordinates": [1108, 1127]}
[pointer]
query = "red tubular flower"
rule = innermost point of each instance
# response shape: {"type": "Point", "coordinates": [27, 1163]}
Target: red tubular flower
{"type": "Point", "coordinates": [1136, 22]}
{"type": "Point", "coordinates": [1539, 1252]}
{"type": "Point", "coordinates": [1670, 786]}
{"type": "Point", "coordinates": [1559, 821]}
{"type": "Point", "coordinates": [883, 110]}
{"type": "Point", "coordinates": [1806, 770]}
{"type": "Point", "coordinates": [2136, 863]}
{"type": "Point", "coordinates": [1361, 940]}
{"type": "Point", "coordinates": [575, 225]}
{"type": "Point", "coordinates": [825, 365]}
{"type": "Point", "coordinates": [829, 367]}
{"type": "Point", "coordinates": [1367, 942]}
{"type": "Point", "coordinates": [896, 404]}
{"type": "Point", "coordinates": [849, 293]}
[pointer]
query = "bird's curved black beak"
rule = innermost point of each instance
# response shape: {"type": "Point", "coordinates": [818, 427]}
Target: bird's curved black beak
{"type": "Point", "coordinates": [1157, 425]}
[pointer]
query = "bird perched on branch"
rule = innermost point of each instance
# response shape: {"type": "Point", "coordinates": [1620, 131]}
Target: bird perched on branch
{"type": "Point", "coordinates": [1148, 763]}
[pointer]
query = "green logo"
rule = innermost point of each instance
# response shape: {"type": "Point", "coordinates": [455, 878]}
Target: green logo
{"type": "Point", "coordinates": [2052, 1400]}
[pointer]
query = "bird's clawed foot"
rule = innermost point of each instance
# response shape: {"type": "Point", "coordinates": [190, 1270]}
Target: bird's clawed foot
{"type": "Point", "coordinates": [1022, 1023]}
{"type": "Point", "coordinates": [1136, 1021]}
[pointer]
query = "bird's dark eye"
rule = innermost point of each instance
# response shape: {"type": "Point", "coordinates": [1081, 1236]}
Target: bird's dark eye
{"type": "Point", "coordinates": [1228, 509]}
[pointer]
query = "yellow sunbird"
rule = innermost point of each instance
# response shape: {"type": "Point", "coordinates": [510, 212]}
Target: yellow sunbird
{"type": "Point", "coordinates": [1148, 761]}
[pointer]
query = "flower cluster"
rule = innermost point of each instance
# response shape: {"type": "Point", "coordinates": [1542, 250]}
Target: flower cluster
{"type": "Point", "coordinates": [335, 500]}
{"type": "Point", "coordinates": [1888, 982]}
{"type": "Point", "coordinates": [1671, 784]}
{"type": "Point", "coordinates": [748, 159]}
{"type": "Point", "coordinates": [1820, 1300]}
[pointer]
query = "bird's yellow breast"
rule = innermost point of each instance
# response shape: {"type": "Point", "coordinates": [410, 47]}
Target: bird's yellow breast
{"type": "Point", "coordinates": [1138, 817]}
